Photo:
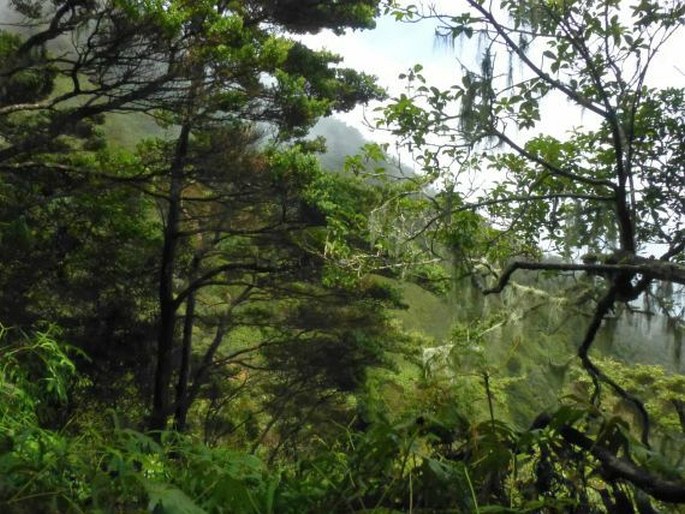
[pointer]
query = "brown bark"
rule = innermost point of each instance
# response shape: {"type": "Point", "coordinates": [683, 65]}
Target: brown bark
{"type": "Point", "coordinates": [670, 491]}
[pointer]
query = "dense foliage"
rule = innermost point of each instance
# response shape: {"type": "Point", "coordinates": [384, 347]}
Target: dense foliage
{"type": "Point", "coordinates": [197, 317]}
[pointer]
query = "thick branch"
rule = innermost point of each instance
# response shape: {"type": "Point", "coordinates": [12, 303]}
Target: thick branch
{"type": "Point", "coordinates": [54, 29]}
{"type": "Point", "coordinates": [661, 489]}
{"type": "Point", "coordinates": [243, 267]}
{"type": "Point", "coordinates": [9, 109]}
{"type": "Point", "coordinates": [603, 307]}
{"type": "Point", "coordinates": [653, 268]}
{"type": "Point", "coordinates": [76, 171]}
{"type": "Point", "coordinates": [66, 119]}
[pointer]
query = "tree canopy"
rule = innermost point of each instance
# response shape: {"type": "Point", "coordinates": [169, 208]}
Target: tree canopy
{"type": "Point", "coordinates": [215, 203]}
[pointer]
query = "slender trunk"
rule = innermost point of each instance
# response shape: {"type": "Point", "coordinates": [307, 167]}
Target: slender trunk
{"type": "Point", "coordinates": [486, 380]}
{"type": "Point", "coordinates": [625, 222]}
{"type": "Point", "coordinates": [167, 304]}
{"type": "Point", "coordinates": [182, 399]}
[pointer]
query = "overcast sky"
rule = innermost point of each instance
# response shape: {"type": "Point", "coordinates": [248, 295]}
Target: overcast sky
{"type": "Point", "coordinates": [393, 47]}
{"type": "Point", "coordinates": [388, 50]}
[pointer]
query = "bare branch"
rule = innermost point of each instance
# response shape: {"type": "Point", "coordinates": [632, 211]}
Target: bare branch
{"type": "Point", "coordinates": [603, 308]}
{"type": "Point", "coordinates": [655, 269]}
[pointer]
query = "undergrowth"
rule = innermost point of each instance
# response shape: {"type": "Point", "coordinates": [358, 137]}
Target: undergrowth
{"type": "Point", "coordinates": [430, 461]}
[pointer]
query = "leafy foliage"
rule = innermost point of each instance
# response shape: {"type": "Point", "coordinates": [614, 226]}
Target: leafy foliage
{"type": "Point", "coordinates": [212, 273]}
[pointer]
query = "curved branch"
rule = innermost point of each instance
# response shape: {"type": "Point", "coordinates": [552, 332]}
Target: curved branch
{"type": "Point", "coordinates": [655, 269]}
{"type": "Point", "coordinates": [669, 491]}
{"type": "Point", "coordinates": [509, 199]}
{"type": "Point", "coordinates": [242, 267]}
{"type": "Point", "coordinates": [597, 375]}
{"type": "Point", "coordinates": [554, 170]}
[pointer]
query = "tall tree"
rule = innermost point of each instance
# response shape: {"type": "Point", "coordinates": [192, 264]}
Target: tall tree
{"type": "Point", "coordinates": [210, 71]}
{"type": "Point", "coordinates": [611, 190]}
{"type": "Point", "coordinates": [226, 85]}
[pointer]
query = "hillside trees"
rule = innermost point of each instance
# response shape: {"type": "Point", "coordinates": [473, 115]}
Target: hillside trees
{"type": "Point", "coordinates": [611, 191]}
{"type": "Point", "coordinates": [238, 215]}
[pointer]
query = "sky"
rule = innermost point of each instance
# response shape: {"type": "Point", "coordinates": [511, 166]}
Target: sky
{"type": "Point", "coordinates": [386, 52]}
{"type": "Point", "coordinates": [394, 47]}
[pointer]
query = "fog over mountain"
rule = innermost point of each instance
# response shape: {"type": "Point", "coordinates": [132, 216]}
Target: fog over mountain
{"type": "Point", "coordinates": [343, 140]}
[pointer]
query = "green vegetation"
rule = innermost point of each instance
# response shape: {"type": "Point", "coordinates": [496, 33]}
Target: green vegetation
{"type": "Point", "coordinates": [198, 317]}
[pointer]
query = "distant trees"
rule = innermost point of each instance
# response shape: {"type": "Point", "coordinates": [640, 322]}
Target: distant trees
{"type": "Point", "coordinates": [612, 190]}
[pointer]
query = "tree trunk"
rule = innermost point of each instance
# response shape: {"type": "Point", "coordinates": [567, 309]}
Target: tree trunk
{"type": "Point", "coordinates": [167, 304]}
{"type": "Point", "coordinates": [182, 398]}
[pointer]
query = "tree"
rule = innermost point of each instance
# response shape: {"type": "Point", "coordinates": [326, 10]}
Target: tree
{"type": "Point", "coordinates": [230, 211]}
{"type": "Point", "coordinates": [81, 253]}
{"type": "Point", "coordinates": [612, 190]}
{"type": "Point", "coordinates": [224, 85]}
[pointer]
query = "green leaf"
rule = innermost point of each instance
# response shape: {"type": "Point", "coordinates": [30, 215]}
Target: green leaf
{"type": "Point", "coordinates": [168, 499]}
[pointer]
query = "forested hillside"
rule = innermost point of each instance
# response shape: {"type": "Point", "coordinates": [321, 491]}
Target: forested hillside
{"type": "Point", "coordinates": [216, 298]}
